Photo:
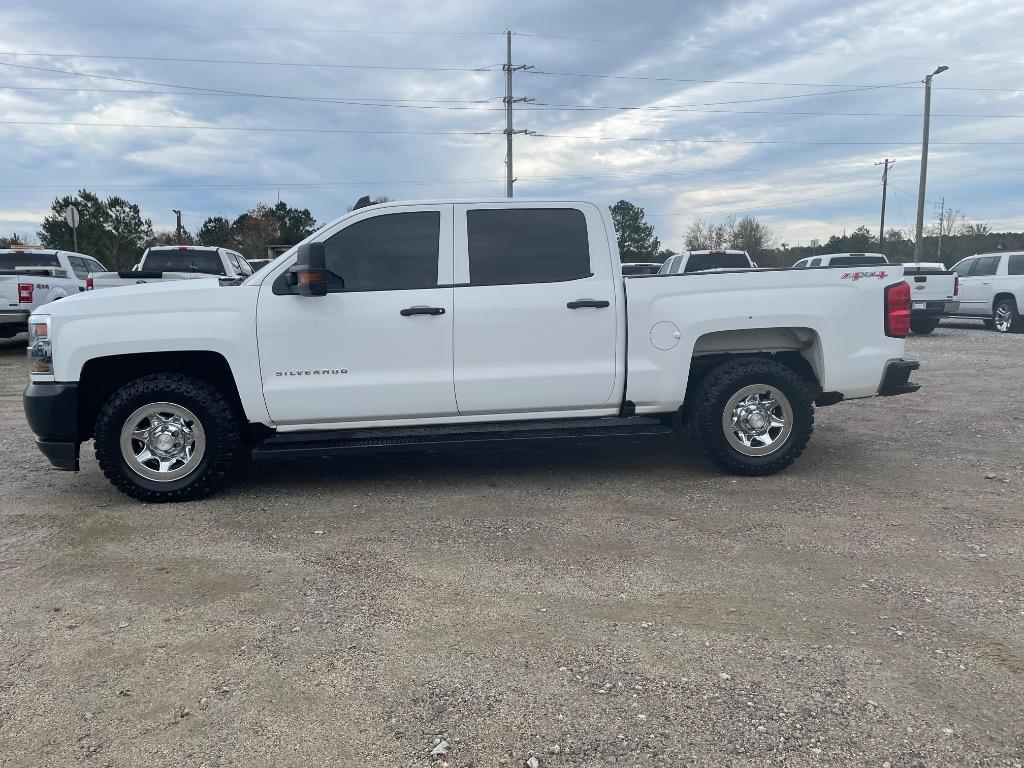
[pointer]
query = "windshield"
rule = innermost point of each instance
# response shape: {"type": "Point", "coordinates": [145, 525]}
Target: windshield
{"type": "Point", "coordinates": [701, 261]}
{"type": "Point", "coordinates": [12, 260]}
{"type": "Point", "coordinates": [856, 261]}
{"type": "Point", "coordinates": [183, 260]}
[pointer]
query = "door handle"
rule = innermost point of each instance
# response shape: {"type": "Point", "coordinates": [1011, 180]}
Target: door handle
{"type": "Point", "coordinates": [597, 304]}
{"type": "Point", "coordinates": [421, 311]}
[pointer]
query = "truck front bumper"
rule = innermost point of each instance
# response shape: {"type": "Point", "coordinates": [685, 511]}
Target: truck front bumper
{"type": "Point", "coordinates": [52, 413]}
{"type": "Point", "coordinates": [896, 379]}
{"type": "Point", "coordinates": [932, 309]}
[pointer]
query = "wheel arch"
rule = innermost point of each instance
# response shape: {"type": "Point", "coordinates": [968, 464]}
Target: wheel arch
{"type": "Point", "coordinates": [102, 376]}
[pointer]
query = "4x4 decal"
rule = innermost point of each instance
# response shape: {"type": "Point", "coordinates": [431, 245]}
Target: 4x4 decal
{"type": "Point", "coordinates": [855, 276]}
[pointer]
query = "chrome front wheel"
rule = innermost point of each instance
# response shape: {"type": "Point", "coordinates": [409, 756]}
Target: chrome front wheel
{"type": "Point", "coordinates": [757, 420]}
{"type": "Point", "coordinates": [163, 442]}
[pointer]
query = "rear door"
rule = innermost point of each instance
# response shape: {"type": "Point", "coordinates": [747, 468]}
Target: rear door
{"type": "Point", "coordinates": [379, 344]}
{"type": "Point", "coordinates": [535, 309]}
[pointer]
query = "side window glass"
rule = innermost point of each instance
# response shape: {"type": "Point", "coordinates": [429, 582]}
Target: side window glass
{"type": "Point", "coordinates": [509, 246]}
{"type": "Point", "coordinates": [1016, 264]}
{"type": "Point", "coordinates": [94, 266]}
{"type": "Point", "coordinates": [78, 266]}
{"type": "Point", "coordinates": [964, 267]}
{"type": "Point", "coordinates": [986, 265]}
{"type": "Point", "coordinates": [393, 251]}
{"type": "Point", "coordinates": [815, 262]}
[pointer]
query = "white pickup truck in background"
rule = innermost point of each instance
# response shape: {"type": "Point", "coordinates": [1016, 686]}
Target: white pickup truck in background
{"type": "Point", "coordinates": [933, 289]}
{"type": "Point", "coordinates": [934, 292]}
{"type": "Point", "coordinates": [32, 277]}
{"type": "Point", "coordinates": [177, 262]}
{"type": "Point", "coordinates": [992, 288]}
{"type": "Point", "coordinates": [702, 261]}
{"type": "Point", "coordinates": [404, 325]}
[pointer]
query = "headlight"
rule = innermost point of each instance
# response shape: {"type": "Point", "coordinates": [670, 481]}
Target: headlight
{"type": "Point", "coordinates": [40, 351]}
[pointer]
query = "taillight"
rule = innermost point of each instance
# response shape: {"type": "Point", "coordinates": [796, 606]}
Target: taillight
{"type": "Point", "coordinates": [25, 291]}
{"type": "Point", "coordinates": [956, 285]}
{"type": "Point", "coordinates": [897, 310]}
{"type": "Point", "coordinates": [88, 283]}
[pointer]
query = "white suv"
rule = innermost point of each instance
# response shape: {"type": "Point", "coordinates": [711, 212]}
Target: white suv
{"type": "Point", "coordinates": [992, 287]}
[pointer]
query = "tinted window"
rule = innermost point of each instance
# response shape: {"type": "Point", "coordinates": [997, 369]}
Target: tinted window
{"type": "Point", "coordinates": [393, 251]}
{"type": "Point", "coordinates": [963, 267]}
{"type": "Point", "coordinates": [701, 261]}
{"type": "Point", "coordinates": [94, 266]}
{"type": "Point", "coordinates": [12, 260]}
{"type": "Point", "coordinates": [856, 261]}
{"type": "Point", "coordinates": [184, 260]}
{"type": "Point", "coordinates": [78, 267]}
{"type": "Point", "coordinates": [815, 262]}
{"type": "Point", "coordinates": [527, 245]}
{"type": "Point", "coordinates": [1016, 265]}
{"type": "Point", "coordinates": [985, 265]}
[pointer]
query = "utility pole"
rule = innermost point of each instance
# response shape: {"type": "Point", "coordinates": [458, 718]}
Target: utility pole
{"type": "Point", "coordinates": [885, 182]}
{"type": "Point", "coordinates": [177, 213]}
{"type": "Point", "coordinates": [924, 161]}
{"type": "Point", "coordinates": [509, 68]}
{"type": "Point", "coordinates": [942, 224]}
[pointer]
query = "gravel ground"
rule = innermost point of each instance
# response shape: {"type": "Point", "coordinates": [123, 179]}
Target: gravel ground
{"type": "Point", "coordinates": [615, 604]}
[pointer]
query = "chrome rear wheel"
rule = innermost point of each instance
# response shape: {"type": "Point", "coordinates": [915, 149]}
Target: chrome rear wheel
{"type": "Point", "coordinates": [757, 420]}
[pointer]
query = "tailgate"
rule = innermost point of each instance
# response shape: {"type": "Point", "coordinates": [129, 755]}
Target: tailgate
{"type": "Point", "coordinates": [931, 286]}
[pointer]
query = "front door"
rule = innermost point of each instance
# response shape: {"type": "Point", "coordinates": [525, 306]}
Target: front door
{"type": "Point", "coordinates": [976, 290]}
{"type": "Point", "coordinates": [379, 344]}
{"type": "Point", "coordinates": [535, 310]}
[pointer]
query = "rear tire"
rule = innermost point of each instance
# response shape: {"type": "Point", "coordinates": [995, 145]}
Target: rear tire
{"type": "Point", "coordinates": [167, 437]}
{"type": "Point", "coordinates": [925, 326]}
{"type": "Point", "coordinates": [735, 401]}
{"type": "Point", "coordinates": [1006, 318]}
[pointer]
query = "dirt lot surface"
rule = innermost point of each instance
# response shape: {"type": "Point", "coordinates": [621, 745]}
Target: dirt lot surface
{"type": "Point", "coordinates": [618, 603]}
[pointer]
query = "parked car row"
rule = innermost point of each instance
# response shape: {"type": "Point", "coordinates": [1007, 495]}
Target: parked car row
{"type": "Point", "coordinates": [989, 286]}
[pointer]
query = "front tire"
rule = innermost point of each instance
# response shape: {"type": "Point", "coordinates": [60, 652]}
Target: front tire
{"type": "Point", "coordinates": [1006, 318]}
{"type": "Point", "coordinates": [925, 326]}
{"type": "Point", "coordinates": [167, 437]}
{"type": "Point", "coordinates": [751, 416]}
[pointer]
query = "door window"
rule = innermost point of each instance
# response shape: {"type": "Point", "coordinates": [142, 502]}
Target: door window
{"type": "Point", "coordinates": [393, 251]}
{"type": "Point", "coordinates": [79, 267]}
{"type": "Point", "coordinates": [985, 265]}
{"type": "Point", "coordinates": [94, 266]}
{"type": "Point", "coordinates": [527, 245]}
{"type": "Point", "coordinates": [1016, 265]}
{"type": "Point", "coordinates": [964, 267]}
{"type": "Point", "coordinates": [815, 262]}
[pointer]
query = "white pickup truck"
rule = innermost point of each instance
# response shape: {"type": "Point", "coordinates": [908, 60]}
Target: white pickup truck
{"type": "Point", "coordinates": [933, 289]}
{"type": "Point", "coordinates": [177, 262]}
{"type": "Point", "coordinates": [414, 324]}
{"type": "Point", "coordinates": [32, 277]}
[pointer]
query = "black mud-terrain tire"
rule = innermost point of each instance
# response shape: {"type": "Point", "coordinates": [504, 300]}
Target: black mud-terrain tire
{"type": "Point", "coordinates": [218, 418]}
{"type": "Point", "coordinates": [1009, 307]}
{"type": "Point", "coordinates": [925, 326]}
{"type": "Point", "coordinates": [710, 397]}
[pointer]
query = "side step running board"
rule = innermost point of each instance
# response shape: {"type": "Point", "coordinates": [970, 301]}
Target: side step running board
{"type": "Point", "coordinates": [288, 444]}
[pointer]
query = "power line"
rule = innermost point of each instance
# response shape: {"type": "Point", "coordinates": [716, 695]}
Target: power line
{"type": "Point", "coordinates": [777, 51]}
{"type": "Point", "coordinates": [650, 139]}
{"type": "Point", "coordinates": [250, 62]}
{"type": "Point", "coordinates": [275, 30]}
{"type": "Point", "coordinates": [483, 105]}
{"type": "Point", "coordinates": [659, 79]}
{"type": "Point", "coordinates": [769, 207]}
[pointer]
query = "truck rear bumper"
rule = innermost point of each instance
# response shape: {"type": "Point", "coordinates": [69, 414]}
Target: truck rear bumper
{"type": "Point", "coordinates": [52, 413]}
{"type": "Point", "coordinates": [933, 309]}
{"type": "Point", "coordinates": [14, 317]}
{"type": "Point", "coordinates": [896, 379]}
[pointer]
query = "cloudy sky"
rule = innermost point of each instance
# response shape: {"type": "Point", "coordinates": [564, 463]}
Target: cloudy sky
{"type": "Point", "coordinates": [778, 108]}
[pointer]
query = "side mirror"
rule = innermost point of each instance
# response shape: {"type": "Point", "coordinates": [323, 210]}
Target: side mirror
{"type": "Point", "coordinates": [309, 274]}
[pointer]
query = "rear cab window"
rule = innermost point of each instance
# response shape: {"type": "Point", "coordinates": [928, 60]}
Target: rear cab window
{"type": "Point", "coordinates": [698, 262]}
{"type": "Point", "coordinates": [184, 260]}
{"type": "Point", "coordinates": [14, 260]}
{"type": "Point", "coordinates": [856, 261]}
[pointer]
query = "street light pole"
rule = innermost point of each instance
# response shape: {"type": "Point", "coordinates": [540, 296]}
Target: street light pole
{"type": "Point", "coordinates": [924, 162]}
{"type": "Point", "coordinates": [177, 213]}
